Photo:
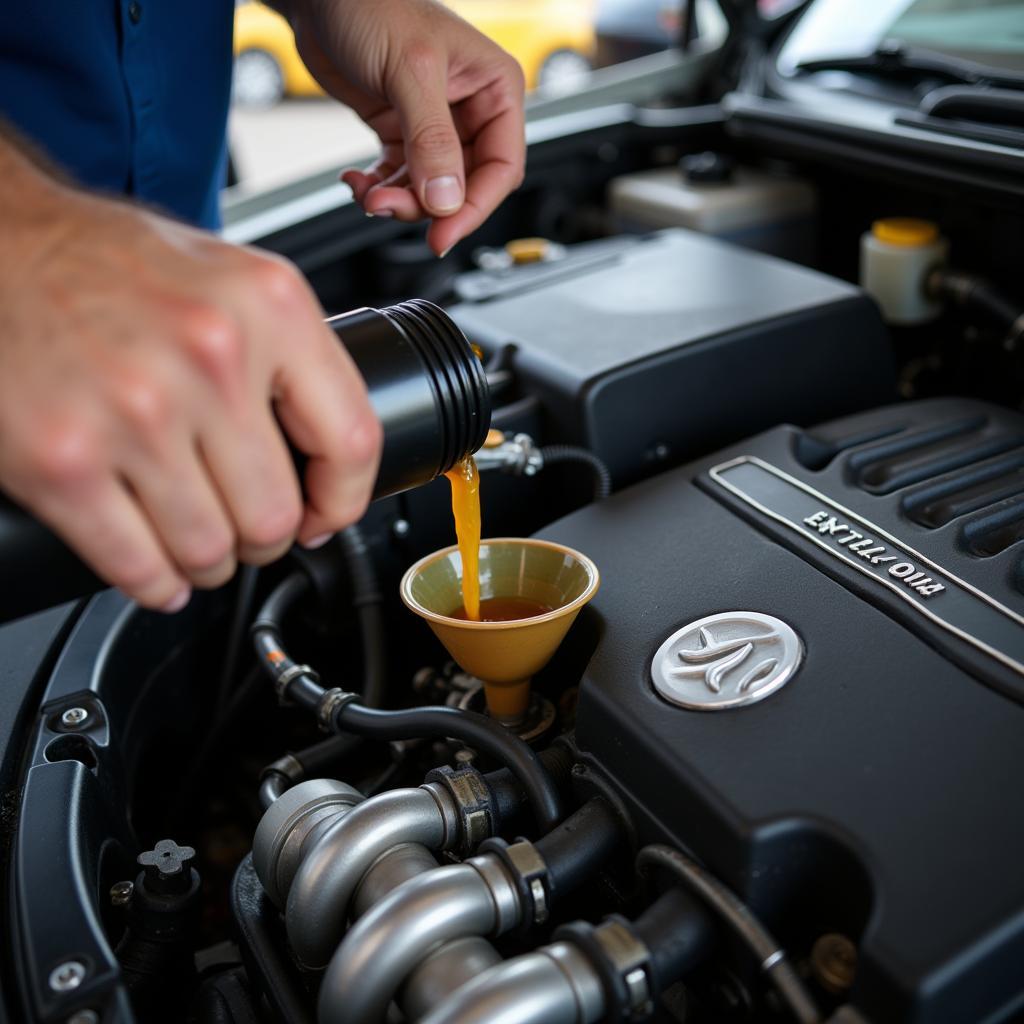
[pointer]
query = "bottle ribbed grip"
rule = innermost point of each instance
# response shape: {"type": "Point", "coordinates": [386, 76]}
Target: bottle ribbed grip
{"type": "Point", "coordinates": [456, 375]}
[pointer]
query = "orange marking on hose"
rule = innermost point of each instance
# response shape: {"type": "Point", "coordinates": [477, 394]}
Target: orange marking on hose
{"type": "Point", "coordinates": [275, 657]}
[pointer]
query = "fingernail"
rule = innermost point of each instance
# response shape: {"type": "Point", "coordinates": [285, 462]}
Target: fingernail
{"type": "Point", "coordinates": [445, 252]}
{"type": "Point", "coordinates": [444, 194]}
{"type": "Point", "coordinates": [317, 542]}
{"type": "Point", "coordinates": [177, 602]}
{"type": "Point", "coordinates": [380, 213]}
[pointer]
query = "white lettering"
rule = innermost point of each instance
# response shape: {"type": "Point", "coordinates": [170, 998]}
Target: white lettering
{"type": "Point", "coordinates": [901, 569]}
{"type": "Point", "coordinates": [854, 535]}
{"type": "Point", "coordinates": [816, 518]}
{"type": "Point", "coordinates": [934, 588]}
{"type": "Point", "coordinates": [866, 543]}
{"type": "Point", "coordinates": [869, 555]}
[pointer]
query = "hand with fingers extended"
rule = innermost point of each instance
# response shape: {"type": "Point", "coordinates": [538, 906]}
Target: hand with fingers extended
{"type": "Point", "coordinates": [149, 377]}
{"type": "Point", "coordinates": [446, 102]}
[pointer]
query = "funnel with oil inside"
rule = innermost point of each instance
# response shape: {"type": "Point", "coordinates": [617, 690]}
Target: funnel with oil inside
{"type": "Point", "coordinates": [504, 655]}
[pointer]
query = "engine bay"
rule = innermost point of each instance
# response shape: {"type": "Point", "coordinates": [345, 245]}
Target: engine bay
{"type": "Point", "coordinates": [770, 774]}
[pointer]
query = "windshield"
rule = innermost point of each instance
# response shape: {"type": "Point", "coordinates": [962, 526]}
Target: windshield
{"type": "Point", "coordinates": [988, 32]}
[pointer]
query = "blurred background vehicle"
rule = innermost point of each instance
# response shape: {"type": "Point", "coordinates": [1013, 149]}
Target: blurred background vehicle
{"type": "Point", "coordinates": [553, 40]}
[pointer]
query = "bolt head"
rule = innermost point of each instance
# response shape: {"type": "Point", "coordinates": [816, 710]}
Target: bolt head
{"type": "Point", "coordinates": [834, 962]}
{"type": "Point", "coordinates": [121, 893]}
{"type": "Point", "coordinates": [74, 718]}
{"type": "Point", "coordinates": [401, 527]}
{"type": "Point", "coordinates": [84, 1017]}
{"type": "Point", "coordinates": [66, 977]}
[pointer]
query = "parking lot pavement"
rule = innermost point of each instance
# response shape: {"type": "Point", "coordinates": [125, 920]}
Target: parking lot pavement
{"type": "Point", "coordinates": [276, 145]}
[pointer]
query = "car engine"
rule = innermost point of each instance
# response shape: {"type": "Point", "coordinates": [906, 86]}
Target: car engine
{"type": "Point", "coordinates": [770, 774]}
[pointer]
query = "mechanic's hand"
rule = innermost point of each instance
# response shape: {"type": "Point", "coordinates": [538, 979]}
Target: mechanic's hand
{"type": "Point", "coordinates": [141, 366]}
{"type": "Point", "coordinates": [446, 102]}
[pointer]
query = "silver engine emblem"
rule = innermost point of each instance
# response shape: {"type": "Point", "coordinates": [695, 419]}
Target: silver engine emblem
{"type": "Point", "coordinates": [726, 661]}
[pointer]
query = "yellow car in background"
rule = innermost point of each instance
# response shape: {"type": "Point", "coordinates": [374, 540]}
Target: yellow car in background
{"type": "Point", "coordinates": [553, 40]}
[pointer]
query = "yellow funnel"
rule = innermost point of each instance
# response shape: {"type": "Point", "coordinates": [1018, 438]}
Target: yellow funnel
{"type": "Point", "coordinates": [504, 655]}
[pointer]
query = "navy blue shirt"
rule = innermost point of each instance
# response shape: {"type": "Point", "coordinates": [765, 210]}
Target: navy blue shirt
{"type": "Point", "coordinates": [128, 96]}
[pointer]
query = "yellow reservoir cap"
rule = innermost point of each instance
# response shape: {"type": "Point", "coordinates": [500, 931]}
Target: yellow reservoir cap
{"type": "Point", "coordinates": [905, 231]}
{"type": "Point", "coordinates": [527, 250]}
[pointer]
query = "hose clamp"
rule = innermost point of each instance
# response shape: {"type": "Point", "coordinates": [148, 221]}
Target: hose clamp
{"type": "Point", "coordinates": [529, 865]}
{"type": "Point", "coordinates": [528, 872]}
{"type": "Point", "coordinates": [331, 703]}
{"type": "Point", "coordinates": [283, 679]}
{"type": "Point", "coordinates": [472, 801]}
{"type": "Point", "coordinates": [630, 959]}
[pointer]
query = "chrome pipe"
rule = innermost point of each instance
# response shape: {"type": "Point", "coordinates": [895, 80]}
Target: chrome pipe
{"type": "Point", "coordinates": [388, 872]}
{"type": "Point", "coordinates": [293, 825]}
{"type": "Point", "coordinates": [442, 973]}
{"type": "Point", "coordinates": [318, 901]}
{"type": "Point", "coordinates": [445, 970]}
{"type": "Point", "coordinates": [554, 985]}
{"type": "Point", "coordinates": [384, 946]}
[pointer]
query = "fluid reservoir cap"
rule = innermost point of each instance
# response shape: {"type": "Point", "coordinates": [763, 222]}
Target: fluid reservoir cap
{"type": "Point", "coordinates": [708, 168]}
{"type": "Point", "coordinates": [528, 250]}
{"type": "Point", "coordinates": [905, 231]}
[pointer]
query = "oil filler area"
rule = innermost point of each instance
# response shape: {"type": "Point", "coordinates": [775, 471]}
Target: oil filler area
{"type": "Point", "coordinates": [729, 731]}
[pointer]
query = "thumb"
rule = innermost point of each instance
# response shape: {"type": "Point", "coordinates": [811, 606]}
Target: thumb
{"type": "Point", "coordinates": [433, 150]}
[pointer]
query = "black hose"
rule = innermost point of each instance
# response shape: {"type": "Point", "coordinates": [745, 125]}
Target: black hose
{"type": "Point", "coordinates": [507, 792]}
{"type": "Point", "coordinates": [272, 785]}
{"type": "Point", "coordinates": [281, 600]}
{"type": "Point", "coordinates": [302, 686]}
{"type": "Point", "coordinates": [367, 600]}
{"type": "Point", "coordinates": [679, 934]}
{"type": "Point", "coordinates": [970, 291]}
{"type": "Point", "coordinates": [475, 730]}
{"type": "Point", "coordinates": [738, 916]}
{"type": "Point", "coordinates": [555, 453]}
{"type": "Point", "coordinates": [586, 839]}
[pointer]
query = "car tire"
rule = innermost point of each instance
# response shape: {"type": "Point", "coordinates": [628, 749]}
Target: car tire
{"type": "Point", "coordinates": [563, 70]}
{"type": "Point", "coordinates": [258, 80]}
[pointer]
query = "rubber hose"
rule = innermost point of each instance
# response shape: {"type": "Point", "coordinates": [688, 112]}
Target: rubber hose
{"type": "Point", "coordinates": [573, 850]}
{"type": "Point", "coordinates": [439, 722]}
{"type": "Point", "coordinates": [971, 291]}
{"type": "Point", "coordinates": [475, 730]}
{"type": "Point", "coordinates": [507, 791]}
{"type": "Point", "coordinates": [738, 916]}
{"type": "Point", "coordinates": [367, 600]}
{"type": "Point", "coordinates": [555, 453]}
{"type": "Point", "coordinates": [679, 934]}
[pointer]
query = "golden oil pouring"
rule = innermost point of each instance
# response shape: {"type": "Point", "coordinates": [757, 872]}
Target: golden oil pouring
{"type": "Point", "coordinates": [465, 480]}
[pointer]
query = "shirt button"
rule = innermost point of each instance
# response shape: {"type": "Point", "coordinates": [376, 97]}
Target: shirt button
{"type": "Point", "coordinates": [135, 12]}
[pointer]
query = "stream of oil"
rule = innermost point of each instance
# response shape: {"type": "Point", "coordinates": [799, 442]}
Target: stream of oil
{"type": "Point", "coordinates": [465, 480]}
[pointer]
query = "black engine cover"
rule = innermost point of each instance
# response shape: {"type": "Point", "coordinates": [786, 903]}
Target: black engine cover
{"type": "Point", "coordinates": [877, 793]}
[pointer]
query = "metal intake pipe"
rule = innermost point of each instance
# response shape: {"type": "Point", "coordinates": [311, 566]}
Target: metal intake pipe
{"type": "Point", "coordinates": [318, 900]}
{"type": "Point", "coordinates": [443, 971]}
{"type": "Point", "coordinates": [554, 985]}
{"type": "Point", "coordinates": [384, 946]}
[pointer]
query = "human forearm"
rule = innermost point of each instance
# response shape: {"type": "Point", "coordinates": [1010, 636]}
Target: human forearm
{"type": "Point", "coordinates": [141, 365]}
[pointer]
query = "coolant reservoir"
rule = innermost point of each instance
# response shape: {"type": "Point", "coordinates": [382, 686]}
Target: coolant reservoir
{"type": "Point", "coordinates": [895, 258]}
{"type": "Point", "coordinates": [707, 193]}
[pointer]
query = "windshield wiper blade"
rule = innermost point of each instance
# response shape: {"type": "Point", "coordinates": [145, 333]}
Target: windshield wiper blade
{"type": "Point", "coordinates": [897, 60]}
